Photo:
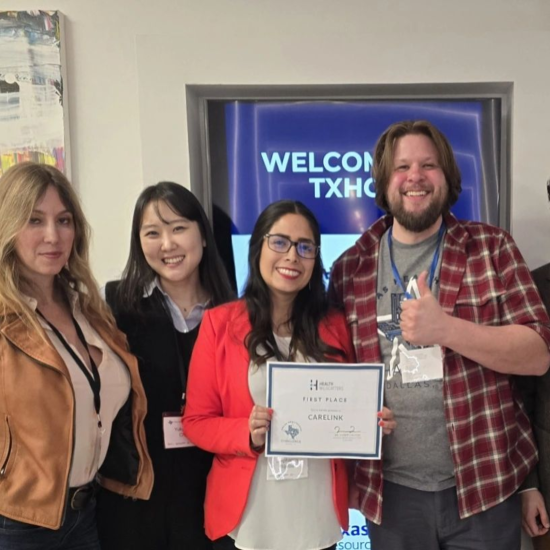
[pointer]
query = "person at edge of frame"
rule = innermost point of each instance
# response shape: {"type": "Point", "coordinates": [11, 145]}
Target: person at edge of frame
{"type": "Point", "coordinates": [284, 315]}
{"type": "Point", "coordinates": [451, 309]}
{"type": "Point", "coordinates": [172, 276]}
{"type": "Point", "coordinates": [71, 400]}
{"type": "Point", "coordinates": [535, 491]}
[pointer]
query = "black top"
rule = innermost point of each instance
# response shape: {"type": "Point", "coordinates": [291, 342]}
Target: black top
{"type": "Point", "coordinates": [174, 512]}
{"type": "Point", "coordinates": [536, 395]}
{"type": "Point", "coordinates": [161, 352]}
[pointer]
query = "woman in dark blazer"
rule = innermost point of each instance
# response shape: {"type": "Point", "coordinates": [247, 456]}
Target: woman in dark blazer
{"type": "Point", "coordinates": [172, 276]}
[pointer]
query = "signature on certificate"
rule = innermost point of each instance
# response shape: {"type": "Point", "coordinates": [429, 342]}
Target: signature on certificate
{"type": "Point", "coordinates": [339, 430]}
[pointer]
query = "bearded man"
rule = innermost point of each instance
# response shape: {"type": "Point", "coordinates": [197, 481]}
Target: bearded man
{"type": "Point", "coordinates": [451, 309]}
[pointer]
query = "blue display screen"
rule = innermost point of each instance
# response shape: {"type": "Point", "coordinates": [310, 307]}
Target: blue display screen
{"type": "Point", "coordinates": [320, 153]}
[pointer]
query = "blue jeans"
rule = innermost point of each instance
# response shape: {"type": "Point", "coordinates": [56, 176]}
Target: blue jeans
{"type": "Point", "coordinates": [78, 532]}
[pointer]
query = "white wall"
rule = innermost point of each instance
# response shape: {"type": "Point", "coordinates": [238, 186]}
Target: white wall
{"type": "Point", "coordinates": [129, 60]}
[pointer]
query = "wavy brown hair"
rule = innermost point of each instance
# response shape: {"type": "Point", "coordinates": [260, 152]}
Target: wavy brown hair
{"type": "Point", "coordinates": [21, 187]}
{"type": "Point", "coordinates": [383, 163]}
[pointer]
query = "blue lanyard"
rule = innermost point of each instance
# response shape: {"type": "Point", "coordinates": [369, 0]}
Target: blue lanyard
{"type": "Point", "coordinates": [433, 267]}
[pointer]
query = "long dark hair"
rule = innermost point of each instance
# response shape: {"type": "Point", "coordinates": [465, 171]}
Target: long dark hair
{"type": "Point", "coordinates": [310, 305]}
{"type": "Point", "coordinates": [138, 275]}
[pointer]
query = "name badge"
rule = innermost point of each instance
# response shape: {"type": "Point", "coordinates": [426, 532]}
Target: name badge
{"type": "Point", "coordinates": [419, 365]}
{"type": "Point", "coordinates": [281, 468]}
{"type": "Point", "coordinates": [173, 432]}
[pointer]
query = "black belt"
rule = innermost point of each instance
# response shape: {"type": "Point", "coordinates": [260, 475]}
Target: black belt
{"type": "Point", "coordinates": [80, 497]}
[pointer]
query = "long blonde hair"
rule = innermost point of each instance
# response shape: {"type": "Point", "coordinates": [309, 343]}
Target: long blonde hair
{"type": "Point", "coordinates": [21, 187]}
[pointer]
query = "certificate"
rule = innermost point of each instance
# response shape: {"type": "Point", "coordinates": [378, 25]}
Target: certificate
{"type": "Point", "coordinates": [324, 410]}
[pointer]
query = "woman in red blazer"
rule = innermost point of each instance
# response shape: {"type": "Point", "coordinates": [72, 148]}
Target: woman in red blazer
{"type": "Point", "coordinates": [284, 315]}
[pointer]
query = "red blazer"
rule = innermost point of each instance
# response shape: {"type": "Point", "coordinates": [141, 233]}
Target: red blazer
{"type": "Point", "coordinates": [219, 405]}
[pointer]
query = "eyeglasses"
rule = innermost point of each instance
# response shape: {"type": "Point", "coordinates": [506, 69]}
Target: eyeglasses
{"type": "Point", "coordinates": [281, 244]}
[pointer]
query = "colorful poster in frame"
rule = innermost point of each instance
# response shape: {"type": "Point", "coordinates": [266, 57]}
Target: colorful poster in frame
{"type": "Point", "coordinates": [33, 109]}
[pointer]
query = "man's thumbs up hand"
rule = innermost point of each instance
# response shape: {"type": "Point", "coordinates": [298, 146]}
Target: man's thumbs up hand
{"type": "Point", "coordinates": [422, 320]}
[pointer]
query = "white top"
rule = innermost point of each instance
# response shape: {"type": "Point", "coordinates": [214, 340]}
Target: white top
{"type": "Point", "coordinates": [295, 514]}
{"type": "Point", "coordinates": [181, 323]}
{"type": "Point", "coordinates": [90, 443]}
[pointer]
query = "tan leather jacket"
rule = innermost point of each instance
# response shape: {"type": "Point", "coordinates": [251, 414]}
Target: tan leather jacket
{"type": "Point", "coordinates": [36, 430]}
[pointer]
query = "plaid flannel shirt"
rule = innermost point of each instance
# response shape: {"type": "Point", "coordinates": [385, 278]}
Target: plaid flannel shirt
{"type": "Point", "coordinates": [483, 279]}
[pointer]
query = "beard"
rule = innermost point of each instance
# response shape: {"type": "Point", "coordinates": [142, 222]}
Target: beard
{"type": "Point", "coordinates": [417, 222]}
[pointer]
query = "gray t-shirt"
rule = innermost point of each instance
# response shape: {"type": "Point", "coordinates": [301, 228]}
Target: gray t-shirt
{"type": "Point", "coordinates": [417, 454]}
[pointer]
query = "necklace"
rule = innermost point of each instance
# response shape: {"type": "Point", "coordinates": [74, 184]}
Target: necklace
{"type": "Point", "coordinates": [195, 303]}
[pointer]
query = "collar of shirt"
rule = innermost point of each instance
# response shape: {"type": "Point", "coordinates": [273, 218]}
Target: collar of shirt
{"type": "Point", "coordinates": [371, 238]}
{"type": "Point", "coordinates": [72, 296]}
{"type": "Point", "coordinates": [181, 323]}
{"type": "Point", "coordinates": [92, 338]}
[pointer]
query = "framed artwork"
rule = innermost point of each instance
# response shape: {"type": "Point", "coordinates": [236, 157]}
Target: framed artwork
{"type": "Point", "coordinates": [33, 110]}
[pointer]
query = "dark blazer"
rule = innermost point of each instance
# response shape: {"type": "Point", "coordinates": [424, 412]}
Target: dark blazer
{"type": "Point", "coordinates": [151, 337]}
{"type": "Point", "coordinates": [177, 499]}
{"type": "Point", "coordinates": [536, 392]}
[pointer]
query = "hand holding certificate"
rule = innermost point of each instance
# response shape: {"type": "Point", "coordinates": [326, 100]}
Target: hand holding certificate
{"type": "Point", "coordinates": [326, 410]}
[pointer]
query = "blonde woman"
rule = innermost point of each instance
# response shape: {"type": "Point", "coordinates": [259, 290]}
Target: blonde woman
{"type": "Point", "coordinates": [71, 402]}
